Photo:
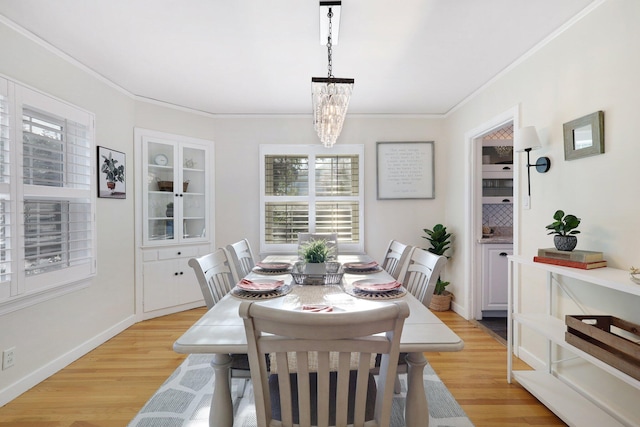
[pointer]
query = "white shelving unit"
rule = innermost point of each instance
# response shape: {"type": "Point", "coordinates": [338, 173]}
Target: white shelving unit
{"type": "Point", "coordinates": [174, 211]}
{"type": "Point", "coordinates": [565, 401]}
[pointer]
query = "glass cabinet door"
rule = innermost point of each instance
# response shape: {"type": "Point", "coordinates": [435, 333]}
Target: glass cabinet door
{"type": "Point", "coordinates": [160, 195]}
{"type": "Point", "coordinates": [193, 196]}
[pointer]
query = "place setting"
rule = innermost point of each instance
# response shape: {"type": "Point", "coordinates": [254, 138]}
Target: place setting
{"type": "Point", "coordinates": [259, 289]}
{"type": "Point", "coordinates": [362, 267]}
{"type": "Point", "coordinates": [272, 268]}
{"type": "Point", "coordinates": [375, 289]}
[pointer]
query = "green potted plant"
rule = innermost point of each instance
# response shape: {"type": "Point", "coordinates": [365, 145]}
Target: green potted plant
{"type": "Point", "coordinates": [114, 173]}
{"type": "Point", "coordinates": [564, 229]}
{"type": "Point", "coordinates": [440, 242]}
{"type": "Point", "coordinates": [315, 253]}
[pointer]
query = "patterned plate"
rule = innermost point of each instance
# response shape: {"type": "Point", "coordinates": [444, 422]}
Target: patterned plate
{"type": "Point", "coordinates": [281, 291]}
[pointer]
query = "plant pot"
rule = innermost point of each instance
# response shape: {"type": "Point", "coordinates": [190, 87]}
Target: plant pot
{"type": "Point", "coordinates": [565, 243]}
{"type": "Point", "coordinates": [315, 268]}
{"type": "Point", "coordinates": [441, 302]}
{"type": "Point", "coordinates": [111, 185]}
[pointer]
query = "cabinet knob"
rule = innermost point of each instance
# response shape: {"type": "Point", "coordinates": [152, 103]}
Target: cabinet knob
{"type": "Point", "coordinates": [179, 253]}
{"type": "Point", "coordinates": [181, 273]}
{"type": "Point", "coordinates": [506, 168]}
{"type": "Point", "coordinates": [181, 195]}
{"type": "Point", "coordinates": [175, 274]}
{"type": "Point", "coordinates": [503, 254]}
{"type": "Point", "coordinates": [177, 194]}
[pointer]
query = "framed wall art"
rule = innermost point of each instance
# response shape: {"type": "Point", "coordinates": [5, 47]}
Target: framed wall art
{"type": "Point", "coordinates": [111, 174]}
{"type": "Point", "coordinates": [584, 136]}
{"type": "Point", "coordinates": [405, 170]}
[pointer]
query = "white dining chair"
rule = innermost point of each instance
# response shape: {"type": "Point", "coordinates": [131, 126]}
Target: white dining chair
{"type": "Point", "coordinates": [395, 257]}
{"type": "Point", "coordinates": [330, 238]}
{"type": "Point", "coordinates": [301, 394]}
{"type": "Point", "coordinates": [420, 273]}
{"type": "Point", "coordinates": [241, 257]}
{"type": "Point", "coordinates": [214, 273]}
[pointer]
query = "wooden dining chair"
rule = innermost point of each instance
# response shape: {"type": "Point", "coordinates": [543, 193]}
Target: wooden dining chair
{"type": "Point", "coordinates": [395, 257]}
{"type": "Point", "coordinates": [420, 274]}
{"type": "Point", "coordinates": [241, 257]}
{"type": "Point", "coordinates": [301, 394]}
{"type": "Point", "coordinates": [330, 238]}
{"type": "Point", "coordinates": [215, 278]}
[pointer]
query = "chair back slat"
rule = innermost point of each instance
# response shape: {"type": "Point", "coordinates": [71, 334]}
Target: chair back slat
{"type": "Point", "coordinates": [242, 258]}
{"type": "Point", "coordinates": [421, 274]}
{"type": "Point", "coordinates": [214, 276]}
{"type": "Point", "coordinates": [395, 258]}
{"type": "Point", "coordinates": [328, 393]}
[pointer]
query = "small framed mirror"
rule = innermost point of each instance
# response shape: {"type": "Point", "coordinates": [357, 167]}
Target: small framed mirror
{"type": "Point", "coordinates": [584, 136]}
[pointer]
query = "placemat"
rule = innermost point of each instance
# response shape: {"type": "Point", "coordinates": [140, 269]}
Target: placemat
{"type": "Point", "coordinates": [256, 296]}
{"type": "Point", "coordinates": [263, 272]}
{"type": "Point", "coordinates": [395, 293]}
{"type": "Point", "coordinates": [357, 271]}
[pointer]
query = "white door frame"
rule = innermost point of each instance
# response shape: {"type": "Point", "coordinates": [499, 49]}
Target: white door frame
{"type": "Point", "coordinates": [473, 208]}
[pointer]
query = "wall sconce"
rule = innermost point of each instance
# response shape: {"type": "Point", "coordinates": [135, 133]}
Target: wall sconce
{"type": "Point", "coordinates": [527, 140]}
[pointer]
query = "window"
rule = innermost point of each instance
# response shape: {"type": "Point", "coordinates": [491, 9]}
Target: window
{"type": "Point", "coordinates": [47, 216]}
{"type": "Point", "coordinates": [308, 188]}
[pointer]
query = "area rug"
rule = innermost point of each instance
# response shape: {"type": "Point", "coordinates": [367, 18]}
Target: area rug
{"type": "Point", "coordinates": [184, 400]}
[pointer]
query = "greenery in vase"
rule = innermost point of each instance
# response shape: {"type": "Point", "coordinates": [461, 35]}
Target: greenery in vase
{"type": "Point", "coordinates": [315, 251]}
{"type": "Point", "coordinates": [114, 173]}
{"type": "Point", "coordinates": [563, 225]}
{"type": "Point", "coordinates": [440, 243]}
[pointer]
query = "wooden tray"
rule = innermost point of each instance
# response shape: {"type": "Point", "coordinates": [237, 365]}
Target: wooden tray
{"type": "Point", "coordinates": [601, 337]}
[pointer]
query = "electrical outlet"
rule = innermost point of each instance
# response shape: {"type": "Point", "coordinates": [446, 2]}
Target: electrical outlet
{"type": "Point", "coordinates": [8, 358]}
{"type": "Point", "coordinates": [526, 202]}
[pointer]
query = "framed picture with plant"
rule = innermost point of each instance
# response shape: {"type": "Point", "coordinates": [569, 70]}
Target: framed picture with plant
{"type": "Point", "coordinates": [111, 174]}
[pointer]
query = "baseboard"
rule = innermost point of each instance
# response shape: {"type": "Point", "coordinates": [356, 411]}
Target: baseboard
{"type": "Point", "coordinates": [14, 390]}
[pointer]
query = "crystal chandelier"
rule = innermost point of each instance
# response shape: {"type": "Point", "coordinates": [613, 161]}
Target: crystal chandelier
{"type": "Point", "coordinates": [330, 95]}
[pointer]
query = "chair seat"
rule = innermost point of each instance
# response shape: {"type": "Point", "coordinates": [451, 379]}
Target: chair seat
{"type": "Point", "coordinates": [240, 361]}
{"type": "Point", "coordinates": [313, 384]}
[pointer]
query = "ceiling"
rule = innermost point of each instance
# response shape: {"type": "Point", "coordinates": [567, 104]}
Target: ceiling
{"type": "Point", "coordinates": [258, 57]}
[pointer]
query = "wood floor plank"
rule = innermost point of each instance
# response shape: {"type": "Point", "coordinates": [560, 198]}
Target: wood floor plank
{"type": "Point", "coordinates": [108, 386]}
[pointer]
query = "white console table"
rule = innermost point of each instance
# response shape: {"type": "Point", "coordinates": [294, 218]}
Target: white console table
{"type": "Point", "coordinates": [565, 401]}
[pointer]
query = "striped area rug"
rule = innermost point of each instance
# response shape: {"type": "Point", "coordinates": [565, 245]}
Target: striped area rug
{"type": "Point", "coordinates": [184, 400]}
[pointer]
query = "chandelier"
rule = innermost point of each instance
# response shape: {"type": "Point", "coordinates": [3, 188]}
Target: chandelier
{"type": "Point", "coordinates": [330, 95]}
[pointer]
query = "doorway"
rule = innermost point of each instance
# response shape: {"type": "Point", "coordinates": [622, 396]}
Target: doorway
{"type": "Point", "coordinates": [492, 215]}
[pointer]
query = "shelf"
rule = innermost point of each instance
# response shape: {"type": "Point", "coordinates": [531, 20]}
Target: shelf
{"type": "Point", "coordinates": [611, 278]}
{"type": "Point", "coordinates": [573, 408]}
{"type": "Point", "coordinates": [553, 329]}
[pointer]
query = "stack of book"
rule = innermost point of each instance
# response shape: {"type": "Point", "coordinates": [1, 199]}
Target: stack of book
{"type": "Point", "coordinates": [585, 260]}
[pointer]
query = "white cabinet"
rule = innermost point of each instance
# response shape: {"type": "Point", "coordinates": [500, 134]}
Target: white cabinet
{"type": "Point", "coordinates": [174, 207]}
{"type": "Point", "coordinates": [495, 276]}
{"type": "Point", "coordinates": [571, 404]}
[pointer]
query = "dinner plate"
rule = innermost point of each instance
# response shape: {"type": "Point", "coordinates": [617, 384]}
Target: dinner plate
{"type": "Point", "coordinates": [370, 285]}
{"type": "Point", "coordinates": [362, 266]}
{"type": "Point", "coordinates": [273, 266]}
{"type": "Point", "coordinates": [260, 285]}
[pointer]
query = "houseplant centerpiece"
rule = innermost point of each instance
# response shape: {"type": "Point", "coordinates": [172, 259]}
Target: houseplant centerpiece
{"type": "Point", "coordinates": [564, 229]}
{"type": "Point", "coordinates": [315, 254]}
{"type": "Point", "coordinates": [113, 173]}
{"type": "Point", "coordinates": [440, 243]}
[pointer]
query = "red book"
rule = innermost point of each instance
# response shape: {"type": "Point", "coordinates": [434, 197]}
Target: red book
{"type": "Point", "coordinates": [573, 264]}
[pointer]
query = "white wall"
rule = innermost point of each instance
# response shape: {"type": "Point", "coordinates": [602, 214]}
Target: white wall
{"type": "Point", "coordinates": [50, 335]}
{"type": "Point", "coordinates": [592, 66]}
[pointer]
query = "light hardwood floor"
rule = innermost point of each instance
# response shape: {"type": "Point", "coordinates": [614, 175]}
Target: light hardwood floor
{"type": "Point", "coordinates": [109, 385]}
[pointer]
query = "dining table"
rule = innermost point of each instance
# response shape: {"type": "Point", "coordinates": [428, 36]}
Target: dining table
{"type": "Point", "coordinates": [220, 331]}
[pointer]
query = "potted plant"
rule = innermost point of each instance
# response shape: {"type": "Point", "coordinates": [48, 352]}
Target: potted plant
{"type": "Point", "coordinates": [440, 242]}
{"type": "Point", "coordinates": [114, 173]}
{"type": "Point", "coordinates": [564, 228]}
{"type": "Point", "coordinates": [315, 253]}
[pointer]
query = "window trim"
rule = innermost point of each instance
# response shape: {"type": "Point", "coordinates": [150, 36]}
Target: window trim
{"type": "Point", "coordinates": [311, 151]}
{"type": "Point", "coordinates": [22, 291]}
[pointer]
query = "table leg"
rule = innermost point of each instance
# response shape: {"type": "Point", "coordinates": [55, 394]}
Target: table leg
{"type": "Point", "coordinates": [221, 412]}
{"type": "Point", "coordinates": [416, 409]}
